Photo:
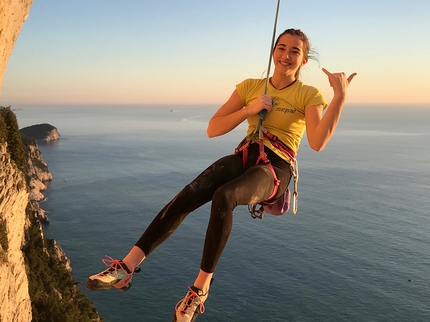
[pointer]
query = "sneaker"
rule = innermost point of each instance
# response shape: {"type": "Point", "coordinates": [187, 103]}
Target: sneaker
{"type": "Point", "coordinates": [118, 275]}
{"type": "Point", "coordinates": [190, 306]}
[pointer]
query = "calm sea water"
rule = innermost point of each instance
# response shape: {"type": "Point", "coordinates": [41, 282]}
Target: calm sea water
{"type": "Point", "coordinates": [358, 249]}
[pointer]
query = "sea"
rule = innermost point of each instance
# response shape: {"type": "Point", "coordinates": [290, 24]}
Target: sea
{"type": "Point", "coordinates": [358, 248]}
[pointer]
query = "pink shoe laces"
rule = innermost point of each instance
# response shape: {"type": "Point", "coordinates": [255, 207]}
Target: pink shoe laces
{"type": "Point", "coordinates": [114, 264]}
{"type": "Point", "coordinates": [189, 300]}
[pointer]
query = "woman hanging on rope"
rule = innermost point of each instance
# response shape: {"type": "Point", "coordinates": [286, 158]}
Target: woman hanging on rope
{"type": "Point", "coordinates": [291, 107]}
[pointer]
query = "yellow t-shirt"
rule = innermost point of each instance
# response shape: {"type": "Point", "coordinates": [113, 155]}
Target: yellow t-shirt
{"type": "Point", "coordinates": [286, 120]}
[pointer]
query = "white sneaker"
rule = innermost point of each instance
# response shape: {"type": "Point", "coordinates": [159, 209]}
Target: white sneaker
{"type": "Point", "coordinates": [190, 306]}
{"type": "Point", "coordinates": [118, 275]}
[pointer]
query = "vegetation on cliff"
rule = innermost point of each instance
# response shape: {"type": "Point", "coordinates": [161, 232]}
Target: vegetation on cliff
{"type": "Point", "coordinates": [9, 132]}
{"type": "Point", "coordinates": [53, 292]}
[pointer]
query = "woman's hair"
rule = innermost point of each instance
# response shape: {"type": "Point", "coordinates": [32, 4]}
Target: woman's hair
{"type": "Point", "coordinates": [308, 51]}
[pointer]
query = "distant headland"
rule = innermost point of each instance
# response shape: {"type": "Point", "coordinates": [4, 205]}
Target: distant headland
{"type": "Point", "coordinates": [41, 132]}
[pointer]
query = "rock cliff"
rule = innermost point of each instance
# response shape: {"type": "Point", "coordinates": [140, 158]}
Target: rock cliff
{"type": "Point", "coordinates": [15, 304]}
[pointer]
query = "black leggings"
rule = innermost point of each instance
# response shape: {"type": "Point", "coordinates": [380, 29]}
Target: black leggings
{"type": "Point", "coordinates": [227, 184]}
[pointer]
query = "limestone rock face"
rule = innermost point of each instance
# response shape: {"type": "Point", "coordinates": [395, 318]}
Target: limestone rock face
{"type": "Point", "coordinates": [13, 13]}
{"type": "Point", "coordinates": [36, 166]}
{"type": "Point", "coordinates": [15, 303]}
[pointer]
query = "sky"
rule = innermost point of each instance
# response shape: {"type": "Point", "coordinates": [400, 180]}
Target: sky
{"type": "Point", "coordinates": [196, 51]}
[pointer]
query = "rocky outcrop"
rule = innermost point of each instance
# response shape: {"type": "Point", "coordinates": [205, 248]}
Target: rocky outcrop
{"type": "Point", "coordinates": [37, 174]}
{"type": "Point", "coordinates": [13, 13]}
{"type": "Point", "coordinates": [54, 250]}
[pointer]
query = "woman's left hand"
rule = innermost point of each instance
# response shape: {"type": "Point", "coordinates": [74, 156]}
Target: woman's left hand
{"type": "Point", "coordinates": [339, 81]}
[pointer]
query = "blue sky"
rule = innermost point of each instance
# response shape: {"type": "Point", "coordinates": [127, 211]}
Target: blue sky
{"type": "Point", "coordinates": [196, 51]}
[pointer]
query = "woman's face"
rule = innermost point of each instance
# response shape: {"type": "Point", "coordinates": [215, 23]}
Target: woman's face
{"type": "Point", "coordinates": [288, 55]}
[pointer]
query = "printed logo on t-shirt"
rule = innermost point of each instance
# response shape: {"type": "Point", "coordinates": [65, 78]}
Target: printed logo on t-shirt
{"type": "Point", "coordinates": [275, 104]}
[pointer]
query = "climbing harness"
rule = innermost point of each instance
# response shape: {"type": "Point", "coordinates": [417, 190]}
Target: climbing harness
{"type": "Point", "coordinates": [281, 205]}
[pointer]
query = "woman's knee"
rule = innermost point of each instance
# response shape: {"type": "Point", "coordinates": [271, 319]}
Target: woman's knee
{"type": "Point", "coordinates": [192, 195]}
{"type": "Point", "coordinates": [224, 199]}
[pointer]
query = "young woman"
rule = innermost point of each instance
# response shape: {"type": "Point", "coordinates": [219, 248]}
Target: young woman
{"type": "Point", "coordinates": [291, 107]}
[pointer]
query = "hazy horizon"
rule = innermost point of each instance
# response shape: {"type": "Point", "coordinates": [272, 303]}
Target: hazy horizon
{"type": "Point", "coordinates": [195, 52]}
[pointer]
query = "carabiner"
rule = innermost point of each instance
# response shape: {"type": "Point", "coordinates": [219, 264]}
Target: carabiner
{"type": "Point", "coordinates": [294, 204]}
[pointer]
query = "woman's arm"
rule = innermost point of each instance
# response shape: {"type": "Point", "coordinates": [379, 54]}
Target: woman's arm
{"type": "Point", "coordinates": [232, 113]}
{"type": "Point", "coordinates": [319, 128]}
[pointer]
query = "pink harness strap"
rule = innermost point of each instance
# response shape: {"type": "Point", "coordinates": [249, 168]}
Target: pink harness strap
{"type": "Point", "coordinates": [243, 147]}
{"type": "Point", "coordinates": [280, 145]}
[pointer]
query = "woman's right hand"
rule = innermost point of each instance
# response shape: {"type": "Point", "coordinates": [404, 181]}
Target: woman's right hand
{"type": "Point", "coordinates": [232, 113]}
{"type": "Point", "coordinates": [263, 102]}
